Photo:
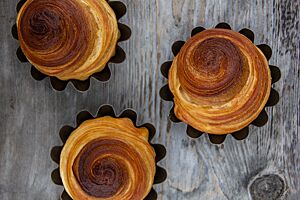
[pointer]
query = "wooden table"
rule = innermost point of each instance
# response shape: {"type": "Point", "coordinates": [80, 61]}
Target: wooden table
{"type": "Point", "coordinates": [32, 113]}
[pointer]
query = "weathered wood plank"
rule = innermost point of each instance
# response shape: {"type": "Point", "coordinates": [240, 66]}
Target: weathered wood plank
{"type": "Point", "coordinates": [32, 113]}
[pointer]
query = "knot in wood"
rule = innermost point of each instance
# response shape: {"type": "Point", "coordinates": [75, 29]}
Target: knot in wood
{"type": "Point", "coordinates": [267, 187]}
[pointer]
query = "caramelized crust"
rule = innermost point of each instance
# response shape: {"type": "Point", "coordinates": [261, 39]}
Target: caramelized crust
{"type": "Point", "coordinates": [68, 39]}
{"type": "Point", "coordinates": [220, 81]}
{"type": "Point", "coordinates": [108, 158]}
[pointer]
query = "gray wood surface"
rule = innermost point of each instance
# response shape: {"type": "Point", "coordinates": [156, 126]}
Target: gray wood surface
{"type": "Point", "coordinates": [31, 112]}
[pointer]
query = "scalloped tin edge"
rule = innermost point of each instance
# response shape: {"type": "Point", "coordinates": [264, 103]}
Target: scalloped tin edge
{"type": "Point", "coordinates": [260, 121]}
{"type": "Point", "coordinates": [103, 76]}
{"type": "Point", "coordinates": [107, 110]}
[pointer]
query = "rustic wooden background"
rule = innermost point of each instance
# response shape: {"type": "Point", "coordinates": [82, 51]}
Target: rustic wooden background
{"type": "Point", "coordinates": [32, 112]}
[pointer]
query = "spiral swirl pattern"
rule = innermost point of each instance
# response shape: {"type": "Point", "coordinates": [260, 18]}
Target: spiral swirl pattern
{"type": "Point", "coordinates": [220, 81]}
{"type": "Point", "coordinates": [68, 39]}
{"type": "Point", "coordinates": [108, 158]}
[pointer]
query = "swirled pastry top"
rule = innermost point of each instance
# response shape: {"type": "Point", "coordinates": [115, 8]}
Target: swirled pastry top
{"type": "Point", "coordinates": [68, 39]}
{"type": "Point", "coordinates": [220, 81]}
{"type": "Point", "coordinates": [108, 158]}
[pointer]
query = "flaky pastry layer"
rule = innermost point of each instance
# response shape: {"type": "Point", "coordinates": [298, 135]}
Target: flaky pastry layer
{"type": "Point", "coordinates": [108, 159]}
{"type": "Point", "coordinates": [68, 39]}
{"type": "Point", "coordinates": [220, 81]}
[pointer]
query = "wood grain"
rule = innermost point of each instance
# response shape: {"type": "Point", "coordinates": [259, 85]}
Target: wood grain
{"type": "Point", "coordinates": [32, 112]}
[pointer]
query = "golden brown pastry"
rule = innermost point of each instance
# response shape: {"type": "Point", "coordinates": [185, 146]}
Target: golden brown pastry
{"type": "Point", "coordinates": [220, 81]}
{"type": "Point", "coordinates": [68, 39]}
{"type": "Point", "coordinates": [108, 158]}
